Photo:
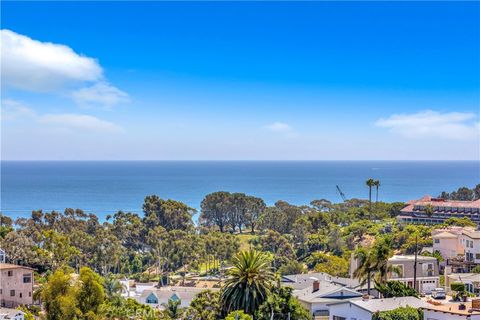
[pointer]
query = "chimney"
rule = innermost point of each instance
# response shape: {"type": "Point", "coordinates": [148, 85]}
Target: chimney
{"type": "Point", "coordinates": [316, 285]}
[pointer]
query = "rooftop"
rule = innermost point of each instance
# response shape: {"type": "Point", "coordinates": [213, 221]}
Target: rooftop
{"type": "Point", "coordinates": [398, 258]}
{"type": "Point", "coordinates": [437, 202]}
{"type": "Point", "coordinates": [9, 266]}
{"type": "Point", "coordinates": [387, 304]}
{"type": "Point", "coordinates": [453, 308]}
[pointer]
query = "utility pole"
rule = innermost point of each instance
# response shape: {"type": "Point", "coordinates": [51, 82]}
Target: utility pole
{"type": "Point", "coordinates": [415, 265]}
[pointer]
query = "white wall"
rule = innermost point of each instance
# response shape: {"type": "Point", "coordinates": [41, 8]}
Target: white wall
{"type": "Point", "coordinates": [349, 311]}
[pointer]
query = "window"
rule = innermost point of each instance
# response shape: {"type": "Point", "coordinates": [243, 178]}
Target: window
{"type": "Point", "coordinates": [27, 277]}
{"type": "Point", "coordinates": [30, 293]}
{"type": "Point", "coordinates": [20, 295]}
{"type": "Point", "coordinates": [437, 240]}
{"type": "Point", "coordinates": [12, 293]}
{"type": "Point", "coordinates": [152, 299]}
{"type": "Point", "coordinates": [339, 318]}
{"type": "Point", "coordinates": [477, 256]}
{"type": "Point", "coordinates": [10, 273]}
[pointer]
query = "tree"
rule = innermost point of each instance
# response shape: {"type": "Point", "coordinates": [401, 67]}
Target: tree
{"type": "Point", "coordinates": [376, 183]}
{"type": "Point", "coordinates": [249, 282]}
{"type": "Point", "coordinates": [292, 267]}
{"type": "Point", "coordinates": [370, 183]}
{"type": "Point", "coordinates": [204, 306]}
{"type": "Point", "coordinates": [429, 210]}
{"type": "Point", "coordinates": [172, 309]}
{"type": "Point", "coordinates": [381, 252]}
{"type": "Point", "coordinates": [91, 293]}
{"type": "Point", "coordinates": [59, 297]}
{"type": "Point", "coordinates": [392, 289]}
{"type": "Point", "coordinates": [215, 210]}
{"type": "Point", "coordinates": [112, 287]}
{"type": "Point", "coordinates": [282, 305]}
{"type": "Point", "coordinates": [170, 214]}
{"type": "Point", "coordinates": [405, 313]}
{"type": "Point", "coordinates": [366, 267]}
{"type": "Point", "coordinates": [238, 315]}
{"type": "Point", "coordinates": [275, 219]}
{"type": "Point", "coordinates": [254, 209]}
{"type": "Point", "coordinates": [324, 262]}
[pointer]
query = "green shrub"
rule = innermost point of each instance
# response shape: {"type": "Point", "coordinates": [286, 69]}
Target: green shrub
{"type": "Point", "coordinates": [407, 313]}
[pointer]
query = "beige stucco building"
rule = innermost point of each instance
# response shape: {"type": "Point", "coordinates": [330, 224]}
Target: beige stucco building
{"type": "Point", "coordinates": [16, 285]}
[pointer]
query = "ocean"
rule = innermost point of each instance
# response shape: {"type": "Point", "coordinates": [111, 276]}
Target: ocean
{"type": "Point", "coordinates": [104, 187]}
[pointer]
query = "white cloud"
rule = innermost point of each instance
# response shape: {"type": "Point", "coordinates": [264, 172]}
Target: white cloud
{"type": "Point", "coordinates": [12, 110]}
{"type": "Point", "coordinates": [279, 127]}
{"type": "Point", "coordinates": [33, 65]}
{"type": "Point", "coordinates": [432, 124]}
{"type": "Point", "coordinates": [79, 121]}
{"type": "Point", "coordinates": [101, 93]}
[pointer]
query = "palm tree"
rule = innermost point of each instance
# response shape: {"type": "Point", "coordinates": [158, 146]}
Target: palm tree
{"type": "Point", "coordinates": [370, 183]}
{"type": "Point", "coordinates": [112, 286]}
{"type": "Point", "coordinates": [249, 282]}
{"type": "Point", "coordinates": [381, 252]}
{"type": "Point", "coordinates": [366, 267]}
{"type": "Point", "coordinates": [376, 183]}
{"type": "Point", "coordinates": [172, 309]}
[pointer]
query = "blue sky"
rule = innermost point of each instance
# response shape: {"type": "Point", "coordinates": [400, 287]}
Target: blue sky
{"type": "Point", "coordinates": [177, 80]}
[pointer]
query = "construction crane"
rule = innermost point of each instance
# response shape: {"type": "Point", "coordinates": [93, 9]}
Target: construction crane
{"type": "Point", "coordinates": [341, 194]}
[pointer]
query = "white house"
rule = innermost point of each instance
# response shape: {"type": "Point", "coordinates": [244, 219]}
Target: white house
{"type": "Point", "coordinates": [317, 297]}
{"type": "Point", "coordinates": [365, 308]}
{"type": "Point", "coordinates": [11, 314]}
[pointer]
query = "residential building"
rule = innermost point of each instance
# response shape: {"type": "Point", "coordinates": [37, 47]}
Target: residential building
{"type": "Point", "coordinates": [427, 272]}
{"type": "Point", "coordinates": [452, 311]}
{"type": "Point", "coordinates": [448, 241]}
{"type": "Point", "coordinates": [471, 243]}
{"type": "Point", "coordinates": [11, 314]}
{"type": "Point", "coordinates": [157, 298]}
{"type": "Point", "coordinates": [471, 281]}
{"type": "Point", "coordinates": [317, 297]}
{"type": "Point", "coordinates": [363, 309]}
{"type": "Point", "coordinates": [428, 210]}
{"type": "Point", "coordinates": [16, 285]}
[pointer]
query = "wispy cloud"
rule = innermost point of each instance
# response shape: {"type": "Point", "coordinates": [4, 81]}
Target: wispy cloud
{"type": "Point", "coordinates": [279, 127]}
{"type": "Point", "coordinates": [433, 124]}
{"type": "Point", "coordinates": [100, 93]}
{"type": "Point", "coordinates": [13, 110]}
{"type": "Point", "coordinates": [79, 121]}
{"type": "Point", "coordinates": [32, 65]}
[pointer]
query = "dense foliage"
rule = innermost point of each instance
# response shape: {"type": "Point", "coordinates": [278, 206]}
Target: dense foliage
{"type": "Point", "coordinates": [407, 313]}
{"type": "Point", "coordinates": [164, 244]}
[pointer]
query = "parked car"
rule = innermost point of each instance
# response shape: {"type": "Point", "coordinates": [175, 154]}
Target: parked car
{"type": "Point", "coordinates": [439, 293]}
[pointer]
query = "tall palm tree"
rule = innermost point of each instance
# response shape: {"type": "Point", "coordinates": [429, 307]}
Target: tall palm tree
{"type": "Point", "coordinates": [370, 183]}
{"type": "Point", "coordinates": [366, 267]}
{"type": "Point", "coordinates": [376, 183]}
{"type": "Point", "coordinates": [248, 283]}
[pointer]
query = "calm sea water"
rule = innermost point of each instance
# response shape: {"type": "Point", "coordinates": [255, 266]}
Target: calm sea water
{"type": "Point", "coordinates": [105, 187]}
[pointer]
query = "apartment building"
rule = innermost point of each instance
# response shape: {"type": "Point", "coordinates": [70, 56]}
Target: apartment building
{"type": "Point", "coordinates": [16, 285]}
{"type": "Point", "coordinates": [427, 272]}
{"type": "Point", "coordinates": [428, 210]}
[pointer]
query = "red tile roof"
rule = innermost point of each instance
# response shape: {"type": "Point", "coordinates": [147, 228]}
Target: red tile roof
{"type": "Point", "coordinates": [436, 202]}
